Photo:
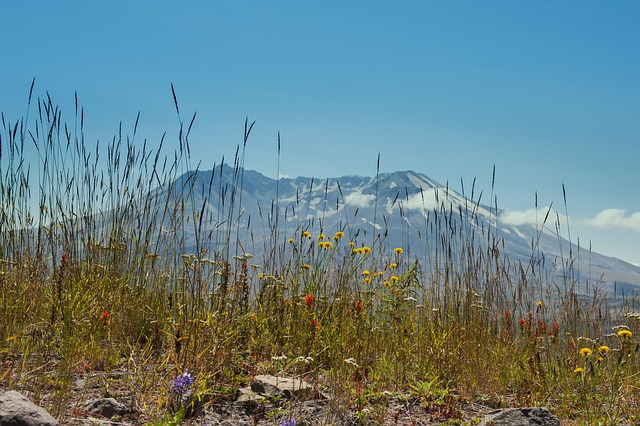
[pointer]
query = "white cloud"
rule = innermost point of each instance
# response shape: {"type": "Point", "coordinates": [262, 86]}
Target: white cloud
{"type": "Point", "coordinates": [357, 199]}
{"type": "Point", "coordinates": [616, 218]}
{"type": "Point", "coordinates": [530, 216]}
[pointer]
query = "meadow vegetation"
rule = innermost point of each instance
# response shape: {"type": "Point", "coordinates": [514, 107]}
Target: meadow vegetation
{"type": "Point", "coordinates": [97, 275]}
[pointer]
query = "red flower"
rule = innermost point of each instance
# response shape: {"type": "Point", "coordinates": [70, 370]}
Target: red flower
{"type": "Point", "coordinates": [106, 317]}
{"type": "Point", "coordinates": [309, 300]}
{"type": "Point", "coordinates": [315, 324]}
{"type": "Point", "coordinates": [357, 307]}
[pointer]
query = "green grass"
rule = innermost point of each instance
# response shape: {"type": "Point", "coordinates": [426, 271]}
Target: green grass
{"type": "Point", "coordinates": [95, 277]}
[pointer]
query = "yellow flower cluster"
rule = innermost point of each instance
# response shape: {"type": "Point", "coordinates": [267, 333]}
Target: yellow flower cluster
{"type": "Point", "coordinates": [338, 235]}
{"type": "Point", "coordinates": [625, 333]}
{"type": "Point", "coordinates": [325, 245]}
{"type": "Point", "coordinates": [361, 250]}
{"type": "Point", "coordinates": [585, 352]}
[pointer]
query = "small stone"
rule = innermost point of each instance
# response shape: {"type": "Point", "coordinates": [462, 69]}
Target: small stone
{"type": "Point", "coordinates": [284, 387]}
{"type": "Point", "coordinates": [529, 416]}
{"type": "Point", "coordinates": [106, 407]}
{"type": "Point", "coordinates": [17, 410]}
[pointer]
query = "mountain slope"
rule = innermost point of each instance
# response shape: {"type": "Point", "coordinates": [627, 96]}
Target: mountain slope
{"type": "Point", "coordinates": [401, 209]}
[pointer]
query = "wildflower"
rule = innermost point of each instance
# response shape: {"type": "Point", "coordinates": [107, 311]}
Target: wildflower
{"type": "Point", "coordinates": [578, 370]}
{"type": "Point", "coordinates": [387, 284]}
{"type": "Point", "coordinates": [540, 304]}
{"type": "Point", "coordinates": [393, 266]}
{"type": "Point", "coordinates": [290, 240]}
{"type": "Point", "coordinates": [106, 317]}
{"type": "Point", "coordinates": [603, 349]}
{"type": "Point", "coordinates": [357, 250]}
{"type": "Point", "coordinates": [357, 306]}
{"type": "Point", "coordinates": [338, 235]}
{"type": "Point", "coordinates": [585, 352]}
{"type": "Point", "coordinates": [625, 333]}
{"type": "Point", "coordinates": [309, 300]}
{"type": "Point", "coordinates": [366, 272]}
{"type": "Point", "coordinates": [291, 422]}
{"type": "Point", "coordinates": [351, 361]}
{"type": "Point", "coordinates": [183, 382]}
{"type": "Point", "coordinates": [279, 358]}
{"type": "Point", "coordinates": [322, 237]}
{"type": "Point", "coordinates": [305, 234]}
{"type": "Point", "coordinates": [398, 250]}
{"type": "Point", "coordinates": [306, 266]}
{"type": "Point", "coordinates": [366, 250]}
{"type": "Point", "coordinates": [315, 324]}
{"type": "Point", "coordinates": [351, 244]}
{"type": "Point", "coordinates": [327, 245]}
{"type": "Point", "coordinates": [260, 276]}
{"type": "Point", "coordinates": [394, 279]}
{"type": "Point", "coordinates": [367, 280]}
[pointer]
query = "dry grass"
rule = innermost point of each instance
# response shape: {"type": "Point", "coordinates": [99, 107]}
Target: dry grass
{"type": "Point", "coordinates": [96, 275]}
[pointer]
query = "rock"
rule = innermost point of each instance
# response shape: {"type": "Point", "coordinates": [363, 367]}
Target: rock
{"type": "Point", "coordinates": [249, 401]}
{"type": "Point", "coordinates": [284, 387]}
{"type": "Point", "coordinates": [530, 416]}
{"type": "Point", "coordinates": [106, 407]}
{"type": "Point", "coordinates": [17, 410]}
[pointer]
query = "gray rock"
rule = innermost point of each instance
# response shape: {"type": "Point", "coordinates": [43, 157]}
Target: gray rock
{"type": "Point", "coordinates": [284, 387]}
{"type": "Point", "coordinates": [17, 410]}
{"type": "Point", "coordinates": [530, 416]}
{"type": "Point", "coordinates": [106, 407]}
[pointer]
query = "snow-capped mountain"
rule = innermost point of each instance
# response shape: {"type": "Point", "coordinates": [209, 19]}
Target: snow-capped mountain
{"type": "Point", "coordinates": [401, 209]}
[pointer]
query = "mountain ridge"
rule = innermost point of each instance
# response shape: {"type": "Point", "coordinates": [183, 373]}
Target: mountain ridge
{"type": "Point", "coordinates": [402, 208]}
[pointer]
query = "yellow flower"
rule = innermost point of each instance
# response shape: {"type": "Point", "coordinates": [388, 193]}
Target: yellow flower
{"type": "Point", "coordinates": [380, 273]}
{"type": "Point", "coordinates": [305, 234]}
{"type": "Point", "coordinates": [326, 245]}
{"type": "Point", "coordinates": [306, 266]}
{"type": "Point", "coordinates": [393, 266]}
{"type": "Point", "coordinates": [585, 352]}
{"type": "Point", "coordinates": [540, 304]}
{"type": "Point", "coordinates": [351, 244]}
{"type": "Point", "coordinates": [366, 272]}
{"type": "Point", "coordinates": [603, 349]}
{"type": "Point", "coordinates": [366, 250]}
{"type": "Point", "coordinates": [367, 280]}
{"type": "Point", "coordinates": [394, 279]}
{"type": "Point", "coordinates": [260, 276]}
{"type": "Point", "coordinates": [625, 333]}
{"type": "Point", "coordinates": [338, 235]}
{"type": "Point", "coordinates": [322, 237]}
{"type": "Point", "coordinates": [357, 250]}
{"type": "Point", "coordinates": [387, 284]}
{"type": "Point", "coordinates": [398, 250]}
{"type": "Point", "coordinates": [578, 370]}
{"type": "Point", "coordinates": [290, 240]}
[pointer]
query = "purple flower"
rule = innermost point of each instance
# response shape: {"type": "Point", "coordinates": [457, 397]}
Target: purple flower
{"type": "Point", "coordinates": [183, 383]}
{"type": "Point", "coordinates": [291, 422]}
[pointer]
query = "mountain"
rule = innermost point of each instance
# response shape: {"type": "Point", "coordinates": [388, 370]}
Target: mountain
{"type": "Point", "coordinates": [433, 223]}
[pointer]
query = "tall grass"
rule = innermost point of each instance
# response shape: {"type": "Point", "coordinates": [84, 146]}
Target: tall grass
{"type": "Point", "coordinates": [133, 266]}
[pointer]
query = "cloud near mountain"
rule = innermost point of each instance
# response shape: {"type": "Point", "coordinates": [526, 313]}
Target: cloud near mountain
{"type": "Point", "coordinates": [616, 218]}
{"type": "Point", "coordinates": [526, 217]}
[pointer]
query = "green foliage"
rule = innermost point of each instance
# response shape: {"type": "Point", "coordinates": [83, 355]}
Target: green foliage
{"type": "Point", "coordinates": [95, 275]}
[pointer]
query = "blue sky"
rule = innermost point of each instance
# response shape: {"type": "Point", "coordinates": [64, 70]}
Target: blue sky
{"type": "Point", "coordinates": [548, 91]}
